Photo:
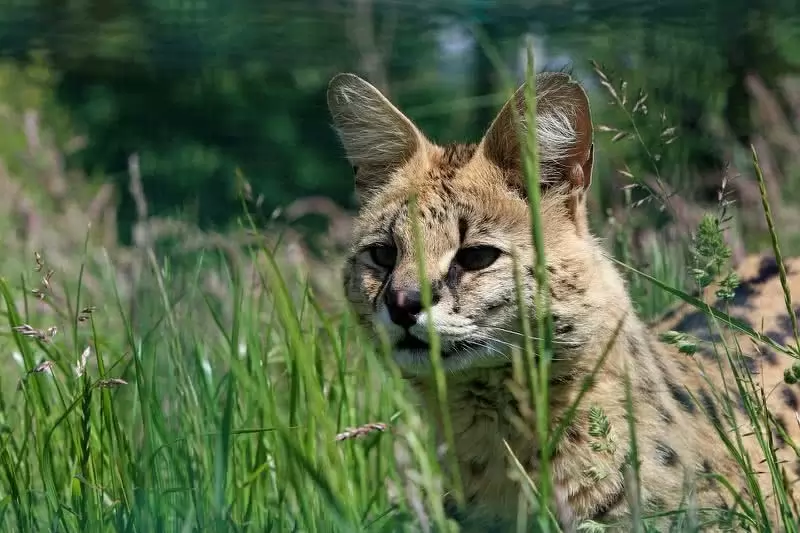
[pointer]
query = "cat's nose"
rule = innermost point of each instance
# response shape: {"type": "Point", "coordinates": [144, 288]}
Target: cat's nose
{"type": "Point", "coordinates": [405, 305]}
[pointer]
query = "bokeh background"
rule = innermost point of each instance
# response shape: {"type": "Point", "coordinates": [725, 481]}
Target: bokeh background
{"type": "Point", "coordinates": [175, 206]}
{"type": "Point", "coordinates": [146, 114]}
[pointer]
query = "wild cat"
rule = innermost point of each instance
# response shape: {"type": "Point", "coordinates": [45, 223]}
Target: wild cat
{"type": "Point", "coordinates": [473, 213]}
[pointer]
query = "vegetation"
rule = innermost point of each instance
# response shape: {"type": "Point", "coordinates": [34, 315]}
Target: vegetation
{"type": "Point", "coordinates": [200, 90]}
{"type": "Point", "coordinates": [173, 365]}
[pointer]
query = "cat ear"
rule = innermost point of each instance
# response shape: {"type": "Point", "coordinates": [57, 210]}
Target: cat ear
{"type": "Point", "coordinates": [563, 131]}
{"type": "Point", "coordinates": [377, 137]}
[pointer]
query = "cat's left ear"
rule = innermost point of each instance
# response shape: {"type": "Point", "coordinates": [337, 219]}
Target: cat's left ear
{"type": "Point", "coordinates": [563, 131]}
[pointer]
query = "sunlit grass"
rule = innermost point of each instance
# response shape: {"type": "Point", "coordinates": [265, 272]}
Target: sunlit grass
{"type": "Point", "coordinates": [275, 418]}
{"type": "Point", "coordinates": [274, 415]}
{"type": "Point", "coordinates": [206, 422]}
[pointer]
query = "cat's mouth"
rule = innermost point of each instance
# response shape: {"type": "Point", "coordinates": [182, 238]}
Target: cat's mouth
{"type": "Point", "coordinates": [448, 349]}
{"type": "Point", "coordinates": [410, 342]}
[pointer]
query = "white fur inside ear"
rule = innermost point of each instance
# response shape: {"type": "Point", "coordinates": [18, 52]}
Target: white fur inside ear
{"type": "Point", "coordinates": [563, 126]}
{"type": "Point", "coordinates": [555, 132]}
{"type": "Point", "coordinates": [372, 130]}
{"type": "Point", "coordinates": [558, 110]}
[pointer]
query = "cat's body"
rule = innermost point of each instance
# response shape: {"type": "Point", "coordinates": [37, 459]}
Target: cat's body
{"type": "Point", "coordinates": [474, 221]}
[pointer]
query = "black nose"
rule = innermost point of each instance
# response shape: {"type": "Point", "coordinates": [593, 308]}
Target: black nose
{"type": "Point", "coordinates": [405, 305]}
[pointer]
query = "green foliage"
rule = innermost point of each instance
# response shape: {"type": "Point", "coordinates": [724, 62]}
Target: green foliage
{"type": "Point", "coordinates": [28, 88]}
{"type": "Point", "coordinates": [710, 252]}
{"type": "Point", "coordinates": [256, 409]}
{"type": "Point", "coordinates": [600, 429]}
{"type": "Point", "coordinates": [201, 89]}
{"type": "Point", "coordinates": [203, 421]}
{"type": "Point", "coordinates": [683, 341]}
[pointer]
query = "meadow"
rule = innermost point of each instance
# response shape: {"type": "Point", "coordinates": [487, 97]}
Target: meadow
{"type": "Point", "coordinates": [201, 381]}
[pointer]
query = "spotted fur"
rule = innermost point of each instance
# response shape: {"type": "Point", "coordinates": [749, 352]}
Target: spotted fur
{"type": "Point", "coordinates": [475, 196]}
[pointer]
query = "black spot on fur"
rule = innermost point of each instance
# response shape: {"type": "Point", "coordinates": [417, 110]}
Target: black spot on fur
{"type": "Point", "coordinates": [613, 502]}
{"type": "Point", "coordinates": [706, 467]}
{"type": "Point", "coordinates": [666, 455]}
{"type": "Point", "coordinates": [750, 365]}
{"type": "Point", "coordinates": [636, 346]}
{"type": "Point", "coordinates": [574, 435]}
{"type": "Point", "coordinates": [691, 321]}
{"type": "Point", "coordinates": [740, 402]}
{"type": "Point", "coordinates": [696, 323]}
{"type": "Point", "coordinates": [665, 415]}
{"type": "Point", "coordinates": [563, 379]}
{"type": "Point", "coordinates": [789, 397]}
{"type": "Point", "coordinates": [769, 355]}
{"type": "Point", "coordinates": [779, 440]}
{"type": "Point", "coordinates": [647, 386]}
{"type": "Point", "coordinates": [656, 504]}
{"type": "Point", "coordinates": [778, 335]}
{"type": "Point", "coordinates": [477, 467]}
{"type": "Point", "coordinates": [682, 397]}
{"type": "Point", "coordinates": [669, 314]}
{"type": "Point", "coordinates": [709, 405]}
{"type": "Point", "coordinates": [744, 319]}
{"type": "Point", "coordinates": [572, 287]}
{"type": "Point", "coordinates": [785, 323]}
{"type": "Point", "coordinates": [742, 296]}
{"type": "Point", "coordinates": [766, 270]}
{"type": "Point", "coordinates": [748, 288]}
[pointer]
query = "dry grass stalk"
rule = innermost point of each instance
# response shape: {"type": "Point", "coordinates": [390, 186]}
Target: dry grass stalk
{"type": "Point", "coordinates": [27, 330]}
{"type": "Point", "coordinates": [361, 431]}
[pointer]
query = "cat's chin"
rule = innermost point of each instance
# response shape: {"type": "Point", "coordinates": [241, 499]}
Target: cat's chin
{"type": "Point", "coordinates": [456, 358]}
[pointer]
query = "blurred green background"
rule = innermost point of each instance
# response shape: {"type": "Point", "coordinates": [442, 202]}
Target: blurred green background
{"type": "Point", "coordinates": [125, 127]}
{"type": "Point", "coordinates": [203, 90]}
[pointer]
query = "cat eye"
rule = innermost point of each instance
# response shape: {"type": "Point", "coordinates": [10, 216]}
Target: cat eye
{"type": "Point", "coordinates": [477, 257]}
{"type": "Point", "coordinates": [383, 255]}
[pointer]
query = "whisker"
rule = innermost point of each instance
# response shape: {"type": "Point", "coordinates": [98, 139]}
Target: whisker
{"type": "Point", "coordinates": [488, 338]}
{"type": "Point", "coordinates": [492, 349]}
{"type": "Point", "coordinates": [533, 337]}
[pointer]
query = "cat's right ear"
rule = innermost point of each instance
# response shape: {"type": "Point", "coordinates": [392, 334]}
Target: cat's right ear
{"type": "Point", "coordinates": [377, 137]}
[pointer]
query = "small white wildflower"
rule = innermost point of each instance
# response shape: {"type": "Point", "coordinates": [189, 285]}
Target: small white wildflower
{"type": "Point", "coordinates": [80, 368]}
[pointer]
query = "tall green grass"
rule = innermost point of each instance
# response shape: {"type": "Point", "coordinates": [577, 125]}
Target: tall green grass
{"type": "Point", "coordinates": [261, 412]}
{"type": "Point", "coordinates": [204, 422]}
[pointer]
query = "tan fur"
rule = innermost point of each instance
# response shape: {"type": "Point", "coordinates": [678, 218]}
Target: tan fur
{"type": "Point", "coordinates": [472, 195]}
